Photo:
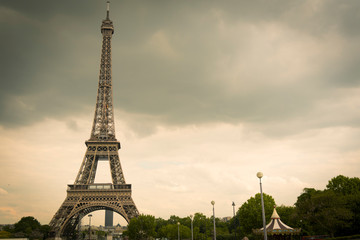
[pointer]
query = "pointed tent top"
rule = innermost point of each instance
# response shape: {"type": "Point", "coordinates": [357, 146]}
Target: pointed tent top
{"type": "Point", "coordinates": [276, 226]}
{"type": "Point", "coordinates": [107, 9]}
{"type": "Point", "coordinates": [275, 215]}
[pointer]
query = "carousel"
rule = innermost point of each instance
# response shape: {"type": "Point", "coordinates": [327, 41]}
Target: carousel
{"type": "Point", "coordinates": [277, 230]}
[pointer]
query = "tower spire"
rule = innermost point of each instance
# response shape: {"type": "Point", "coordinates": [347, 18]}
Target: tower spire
{"type": "Point", "coordinates": [103, 126]}
{"type": "Point", "coordinates": [107, 10]}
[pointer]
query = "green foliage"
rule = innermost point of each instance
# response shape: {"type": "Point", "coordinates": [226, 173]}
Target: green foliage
{"type": "Point", "coordinates": [174, 219]}
{"type": "Point", "coordinates": [323, 212]}
{"type": "Point", "coordinates": [202, 228]}
{"type": "Point", "coordinates": [344, 185]}
{"type": "Point", "coordinates": [142, 227]}
{"type": "Point", "coordinates": [288, 215]}
{"type": "Point", "coordinates": [250, 214]}
{"type": "Point", "coordinates": [27, 227]}
{"type": "Point", "coordinates": [159, 223]}
{"type": "Point", "coordinates": [203, 224]}
{"type": "Point", "coordinates": [5, 234]}
{"type": "Point", "coordinates": [45, 230]}
{"type": "Point", "coordinates": [225, 237]}
{"type": "Point", "coordinates": [348, 190]}
{"type": "Point", "coordinates": [222, 228]}
{"type": "Point", "coordinates": [171, 231]}
{"type": "Point", "coordinates": [8, 228]}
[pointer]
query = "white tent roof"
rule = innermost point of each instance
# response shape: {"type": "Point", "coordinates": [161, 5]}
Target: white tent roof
{"type": "Point", "coordinates": [276, 223]}
{"type": "Point", "coordinates": [276, 226]}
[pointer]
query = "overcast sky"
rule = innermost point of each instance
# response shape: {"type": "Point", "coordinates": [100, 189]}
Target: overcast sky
{"type": "Point", "coordinates": [206, 94]}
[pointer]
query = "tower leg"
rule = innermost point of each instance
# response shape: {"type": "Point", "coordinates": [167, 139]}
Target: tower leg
{"type": "Point", "coordinates": [84, 199]}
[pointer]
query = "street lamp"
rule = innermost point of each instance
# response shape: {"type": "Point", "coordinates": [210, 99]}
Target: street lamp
{"type": "Point", "coordinates": [233, 204]}
{"type": "Point", "coordinates": [260, 175]}
{"type": "Point", "coordinates": [89, 225]}
{"type": "Point", "coordinates": [178, 230]}
{"type": "Point", "coordinates": [192, 230]}
{"type": "Point", "coordinates": [213, 203]}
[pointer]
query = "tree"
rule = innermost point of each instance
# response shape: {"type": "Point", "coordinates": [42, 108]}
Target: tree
{"type": "Point", "coordinates": [202, 226]}
{"type": "Point", "coordinates": [174, 219]}
{"type": "Point", "coordinates": [250, 213]}
{"type": "Point", "coordinates": [344, 185]}
{"type": "Point", "coordinates": [222, 228]}
{"type": "Point", "coordinates": [234, 225]}
{"type": "Point", "coordinates": [323, 212]}
{"type": "Point", "coordinates": [45, 230]}
{"type": "Point", "coordinates": [288, 215]}
{"type": "Point", "coordinates": [141, 227]}
{"type": "Point", "coordinates": [159, 223]}
{"type": "Point", "coordinates": [29, 227]}
{"type": "Point", "coordinates": [100, 234]}
{"type": "Point", "coordinates": [349, 188]}
{"type": "Point", "coordinates": [170, 231]}
{"type": "Point", "coordinates": [5, 234]}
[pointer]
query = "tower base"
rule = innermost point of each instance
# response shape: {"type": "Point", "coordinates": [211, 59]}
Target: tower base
{"type": "Point", "coordinates": [84, 199]}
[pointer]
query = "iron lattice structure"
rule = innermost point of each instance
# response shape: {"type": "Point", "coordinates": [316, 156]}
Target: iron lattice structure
{"type": "Point", "coordinates": [85, 196]}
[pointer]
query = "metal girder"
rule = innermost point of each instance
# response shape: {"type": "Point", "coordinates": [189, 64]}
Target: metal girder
{"type": "Point", "coordinates": [104, 151]}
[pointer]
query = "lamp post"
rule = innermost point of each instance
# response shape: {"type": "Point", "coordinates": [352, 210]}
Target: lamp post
{"type": "Point", "coordinates": [178, 230]}
{"type": "Point", "coordinates": [192, 230]}
{"type": "Point", "coordinates": [260, 175]}
{"type": "Point", "coordinates": [213, 203]}
{"type": "Point", "coordinates": [89, 225]}
{"type": "Point", "coordinates": [233, 204]}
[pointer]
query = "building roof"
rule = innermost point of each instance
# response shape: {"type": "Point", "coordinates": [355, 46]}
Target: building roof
{"type": "Point", "coordinates": [276, 226]}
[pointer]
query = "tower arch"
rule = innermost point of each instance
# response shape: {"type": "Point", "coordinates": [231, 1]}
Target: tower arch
{"type": "Point", "coordinates": [73, 220]}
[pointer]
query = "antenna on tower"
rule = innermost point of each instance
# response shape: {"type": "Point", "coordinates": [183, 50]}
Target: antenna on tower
{"type": "Point", "coordinates": [107, 9]}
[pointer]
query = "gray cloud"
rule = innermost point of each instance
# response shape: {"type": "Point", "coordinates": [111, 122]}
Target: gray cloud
{"type": "Point", "coordinates": [236, 61]}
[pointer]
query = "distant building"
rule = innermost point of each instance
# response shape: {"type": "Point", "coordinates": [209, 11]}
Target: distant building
{"type": "Point", "coordinates": [226, 219]}
{"type": "Point", "coordinates": [109, 217]}
{"type": "Point", "coordinates": [112, 233]}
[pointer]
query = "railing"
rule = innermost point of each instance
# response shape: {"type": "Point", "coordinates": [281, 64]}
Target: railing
{"type": "Point", "coordinates": [99, 186]}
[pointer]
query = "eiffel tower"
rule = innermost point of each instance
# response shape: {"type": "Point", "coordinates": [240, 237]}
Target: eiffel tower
{"type": "Point", "coordinates": [85, 196]}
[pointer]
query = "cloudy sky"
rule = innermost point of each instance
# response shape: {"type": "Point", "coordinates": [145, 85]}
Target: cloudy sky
{"type": "Point", "coordinates": [206, 94]}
